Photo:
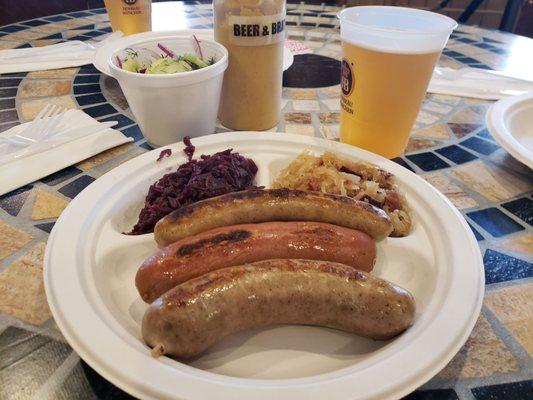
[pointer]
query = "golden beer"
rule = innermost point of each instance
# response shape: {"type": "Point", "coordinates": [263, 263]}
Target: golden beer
{"type": "Point", "coordinates": [388, 56]}
{"type": "Point", "coordinates": [381, 96]}
{"type": "Point", "coordinates": [130, 16]}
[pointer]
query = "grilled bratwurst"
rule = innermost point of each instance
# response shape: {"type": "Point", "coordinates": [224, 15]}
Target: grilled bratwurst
{"type": "Point", "coordinates": [193, 316]}
{"type": "Point", "coordinates": [242, 244]}
{"type": "Point", "coordinates": [263, 205]}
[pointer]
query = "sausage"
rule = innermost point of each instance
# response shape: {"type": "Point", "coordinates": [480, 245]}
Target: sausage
{"type": "Point", "coordinates": [242, 244]}
{"type": "Point", "coordinates": [263, 205]}
{"type": "Point", "coordinates": [193, 316]}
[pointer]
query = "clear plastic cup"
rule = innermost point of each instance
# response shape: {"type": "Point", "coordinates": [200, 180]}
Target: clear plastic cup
{"type": "Point", "coordinates": [388, 56]}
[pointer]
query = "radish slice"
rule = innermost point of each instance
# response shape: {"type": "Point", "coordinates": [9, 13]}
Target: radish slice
{"type": "Point", "coordinates": [165, 50]}
{"type": "Point", "coordinates": [197, 47]}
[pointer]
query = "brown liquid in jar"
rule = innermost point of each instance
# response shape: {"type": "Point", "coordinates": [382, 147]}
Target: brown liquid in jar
{"type": "Point", "coordinates": [251, 92]}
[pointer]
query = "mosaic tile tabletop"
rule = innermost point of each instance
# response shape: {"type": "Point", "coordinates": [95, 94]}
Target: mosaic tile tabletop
{"type": "Point", "coordinates": [450, 147]}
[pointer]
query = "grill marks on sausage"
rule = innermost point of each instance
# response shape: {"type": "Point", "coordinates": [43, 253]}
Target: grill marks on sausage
{"type": "Point", "coordinates": [230, 237]}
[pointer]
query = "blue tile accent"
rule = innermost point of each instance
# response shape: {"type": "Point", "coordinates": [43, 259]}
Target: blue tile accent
{"type": "Point", "coordinates": [11, 82]}
{"type": "Point", "coordinates": [57, 18]}
{"type": "Point", "coordinates": [73, 188]}
{"type": "Point", "coordinates": [13, 28]}
{"type": "Point", "coordinates": [495, 222]}
{"type": "Point", "coordinates": [106, 30]}
{"type": "Point", "coordinates": [499, 51]}
{"type": "Point", "coordinates": [14, 74]}
{"type": "Point", "coordinates": [5, 127]}
{"type": "Point", "coordinates": [428, 161]}
{"type": "Point", "coordinates": [403, 163]}
{"type": "Point", "coordinates": [8, 92]}
{"type": "Point", "coordinates": [479, 236]}
{"type": "Point", "coordinates": [100, 110]}
{"type": "Point", "coordinates": [120, 118]}
{"type": "Point", "coordinates": [484, 45]}
{"type": "Point", "coordinates": [500, 267]}
{"type": "Point", "coordinates": [437, 394]}
{"type": "Point", "coordinates": [326, 25]}
{"type": "Point", "coordinates": [467, 60]}
{"type": "Point", "coordinates": [80, 37]}
{"type": "Point", "coordinates": [61, 176]}
{"type": "Point", "coordinates": [485, 134]}
{"type": "Point", "coordinates": [146, 146]}
{"type": "Point", "coordinates": [23, 46]}
{"type": "Point", "coordinates": [456, 154]}
{"type": "Point", "coordinates": [35, 22]}
{"type": "Point", "coordinates": [93, 33]}
{"type": "Point", "coordinates": [8, 116]}
{"type": "Point", "coordinates": [99, 11]}
{"type": "Point", "coordinates": [480, 66]}
{"type": "Point", "coordinates": [87, 79]}
{"type": "Point", "coordinates": [133, 132]}
{"type": "Point", "coordinates": [46, 227]}
{"type": "Point", "coordinates": [488, 40]}
{"type": "Point", "coordinates": [6, 104]}
{"type": "Point", "coordinates": [80, 14]}
{"type": "Point", "coordinates": [522, 208]}
{"type": "Point", "coordinates": [54, 36]}
{"type": "Point", "coordinates": [480, 145]}
{"type": "Point", "coordinates": [85, 89]}
{"type": "Point", "coordinates": [13, 201]}
{"type": "Point", "coordinates": [465, 40]}
{"type": "Point", "coordinates": [90, 99]}
{"type": "Point", "coordinates": [451, 53]}
{"type": "Point", "coordinates": [90, 26]}
{"type": "Point", "coordinates": [88, 69]}
{"type": "Point", "coordinates": [506, 391]}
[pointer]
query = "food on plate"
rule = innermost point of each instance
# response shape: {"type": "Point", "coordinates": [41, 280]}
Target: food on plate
{"type": "Point", "coordinates": [329, 173]}
{"type": "Point", "coordinates": [193, 316]}
{"type": "Point", "coordinates": [146, 61]}
{"type": "Point", "coordinates": [242, 244]}
{"type": "Point", "coordinates": [263, 205]}
{"type": "Point", "coordinates": [208, 176]}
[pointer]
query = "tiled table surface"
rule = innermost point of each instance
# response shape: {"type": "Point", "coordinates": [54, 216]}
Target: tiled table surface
{"type": "Point", "coordinates": [450, 148]}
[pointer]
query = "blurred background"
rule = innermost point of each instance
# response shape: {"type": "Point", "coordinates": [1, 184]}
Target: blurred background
{"type": "Point", "coordinates": [508, 15]}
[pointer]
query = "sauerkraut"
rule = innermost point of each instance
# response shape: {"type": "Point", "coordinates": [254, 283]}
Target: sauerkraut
{"type": "Point", "coordinates": [329, 173]}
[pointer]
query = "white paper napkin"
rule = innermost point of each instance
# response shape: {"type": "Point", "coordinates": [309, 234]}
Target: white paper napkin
{"type": "Point", "coordinates": [477, 83]}
{"type": "Point", "coordinates": [22, 171]}
{"type": "Point", "coordinates": [72, 53]}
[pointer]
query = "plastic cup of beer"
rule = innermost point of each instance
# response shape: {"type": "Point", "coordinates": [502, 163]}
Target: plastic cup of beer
{"type": "Point", "coordinates": [130, 16]}
{"type": "Point", "coordinates": [388, 57]}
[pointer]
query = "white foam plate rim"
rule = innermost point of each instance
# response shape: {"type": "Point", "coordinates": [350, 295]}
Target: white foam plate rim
{"type": "Point", "coordinates": [89, 281]}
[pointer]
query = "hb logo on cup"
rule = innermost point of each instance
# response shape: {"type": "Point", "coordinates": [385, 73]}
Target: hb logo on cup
{"type": "Point", "coordinates": [346, 77]}
{"type": "Point", "coordinates": [130, 2]}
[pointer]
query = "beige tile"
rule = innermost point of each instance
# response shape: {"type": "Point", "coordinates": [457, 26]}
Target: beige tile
{"type": "Point", "coordinates": [331, 91]}
{"type": "Point", "coordinates": [453, 192]}
{"type": "Point", "coordinates": [43, 42]}
{"type": "Point", "coordinates": [7, 44]}
{"type": "Point", "coordinates": [437, 107]}
{"type": "Point", "coordinates": [416, 144]}
{"type": "Point", "coordinates": [329, 118]}
{"type": "Point", "coordinates": [490, 181]}
{"type": "Point", "coordinates": [332, 104]}
{"type": "Point", "coordinates": [132, 154]}
{"type": "Point", "coordinates": [50, 28]}
{"type": "Point", "coordinates": [448, 62]}
{"type": "Point", "coordinates": [24, 36]}
{"type": "Point", "coordinates": [305, 105]}
{"type": "Point", "coordinates": [519, 244]}
{"type": "Point", "coordinates": [105, 156]}
{"type": "Point", "coordinates": [330, 132]}
{"type": "Point", "coordinates": [31, 108]}
{"type": "Point", "coordinates": [297, 118]}
{"type": "Point", "coordinates": [426, 118]}
{"type": "Point", "coordinates": [300, 129]}
{"type": "Point", "coordinates": [514, 307]}
{"type": "Point", "coordinates": [444, 98]}
{"type": "Point", "coordinates": [462, 130]}
{"type": "Point", "coordinates": [73, 23]}
{"type": "Point", "coordinates": [47, 205]}
{"type": "Point", "coordinates": [44, 88]}
{"type": "Point", "coordinates": [303, 94]}
{"type": "Point", "coordinates": [484, 354]}
{"type": "Point", "coordinates": [11, 239]}
{"type": "Point", "coordinates": [52, 73]}
{"type": "Point", "coordinates": [22, 290]}
{"type": "Point", "coordinates": [435, 131]}
{"type": "Point", "coordinates": [468, 116]}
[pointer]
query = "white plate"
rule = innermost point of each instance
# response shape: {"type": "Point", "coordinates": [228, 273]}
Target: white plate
{"type": "Point", "coordinates": [103, 53]}
{"type": "Point", "coordinates": [510, 122]}
{"type": "Point", "coordinates": [89, 277]}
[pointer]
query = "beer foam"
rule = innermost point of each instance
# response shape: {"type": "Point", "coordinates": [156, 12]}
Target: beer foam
{"type": "Point", "coordinates": [395, 29]}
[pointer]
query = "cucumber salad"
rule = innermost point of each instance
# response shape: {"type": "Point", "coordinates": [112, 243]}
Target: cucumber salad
{"type": "Point", "coordinates": [146, 61]}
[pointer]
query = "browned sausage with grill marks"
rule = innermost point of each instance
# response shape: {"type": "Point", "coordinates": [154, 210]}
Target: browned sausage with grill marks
{"type": "Point", "coordinates": [241, 244]}
{"type": "Point", "coordinates": [193, 316]}
{"type": "Point", "coordinates": [263, 205]}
